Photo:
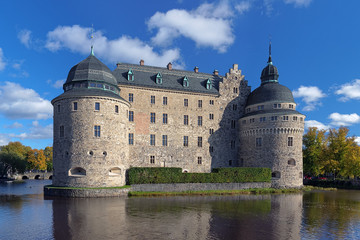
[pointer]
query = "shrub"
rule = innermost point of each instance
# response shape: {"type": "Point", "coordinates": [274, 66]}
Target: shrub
{"type": "Point", "coordinates": [140, 175]}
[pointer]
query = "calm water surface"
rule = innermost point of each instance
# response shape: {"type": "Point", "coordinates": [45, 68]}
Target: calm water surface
{"type": "Point", "coordinates": [25, 214]}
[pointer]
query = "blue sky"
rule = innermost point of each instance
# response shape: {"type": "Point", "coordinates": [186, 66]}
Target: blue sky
{"type": "Point", "coordinates": [315, 45]}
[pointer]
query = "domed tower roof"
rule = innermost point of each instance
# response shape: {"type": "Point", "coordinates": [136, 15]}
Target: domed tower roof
{"type": "Point", "coordinates": [91, 69]}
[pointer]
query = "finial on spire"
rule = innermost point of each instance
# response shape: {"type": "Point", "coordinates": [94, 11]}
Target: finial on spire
{"type": "Point", "coordinates": [270, 60]}
{"type": "Point", "coordinates": [92, 41]}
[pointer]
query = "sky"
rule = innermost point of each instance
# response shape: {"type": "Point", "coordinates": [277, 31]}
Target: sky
{"type": "Point", "coordinates": [315, 46]}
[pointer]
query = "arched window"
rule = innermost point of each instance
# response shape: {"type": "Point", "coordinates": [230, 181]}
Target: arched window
{"type": "Point", "coordinates": [276, 174]}
{"type": "Point", "coordinates": [115, 171]}
{"type": "Point", "coordinates": [185, 82]}
{"type": "Point", "coordinates": [208, 84]}
{"type": "Point", "coordinates": [77, 172]}
{"type": "Point", "coordinates": [291, 162]}
{"type": "Point", "coordinates": [130, 75]}
{"type": "Point", "coordinates": [159, 78]}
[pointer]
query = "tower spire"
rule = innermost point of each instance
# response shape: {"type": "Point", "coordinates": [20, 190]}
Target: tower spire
{"type": "Point", "coordinates": [269, 60]}
{"type": "Point", "coordinates": [92, 41]}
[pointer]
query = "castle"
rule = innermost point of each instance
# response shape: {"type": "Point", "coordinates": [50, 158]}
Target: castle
{"type": "Point", "coordinates": [142, 116]}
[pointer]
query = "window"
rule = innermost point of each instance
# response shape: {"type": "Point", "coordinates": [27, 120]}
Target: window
{"type": "Point", "coordinates": [199, 141]}
{"type": "Point", "coordinates": [186, 119]}
{"type": "Point", "coordinates": [235, 90]}
{"type": "Point", "coordinates": [274, 118]}
{"type": "Point", "coordinates": [301, 119]}
{"type": "Point", "coordinates": [116, 108]}
{"type": "Point", "coordinates": [291, 106]}
{"type": "Point", "coordinates": [232, 144]}
{"type": "Point", "coordinates": [152, 159]}
{"type": "Point", "coordinates": [186, 141]}
{"type": "Point", "coordinates": [211, 116]}
{"type": "Point", "coordinates": [233, 123]}
{"type": "Point", "coordinates": [262, 119]}
{"type": "Point", "coordinates": [59, 108]}
{"type": "Point", "coordinates": [211, 131]}
{"type": "Point", "coordinates": [131, 97]}
{"type": "Point", "coordinates": [131, 116]}
{"type": "Point", "coordinates": [75, 105]}
{"type": "Point", "coordinates": [252, 120]}
{"type": "Point", "coordinates": [276, 174]}
{"type": "Point", "coordinates": [97, 106]}
{"type": "Point", "coordinates": [164, 100]}
{"type": "Point", "coordinates": [234, 107]}
{"type": "Point", "coordinates": [290, 141]}
{"type": "Point", "coordinates": [277, 105]}
{"type": "Point", "coordinates": [199, 160]}
{"type": "Point", "coordinates": [152, 99]}
{"type": "Point", "coordinates": [97, 131]}
{"type": "Point", "coordinates": [294, 118]}
{"type": "Point", "coordinates": [62, 131]}
{"type": "Point", "coordinates": [152, 139]}
{"type": "Point", "coordinates": [199, 103]}
{"type": "Point", "coordinates": [248, 110]}
{"type": "Point", "coordinates": [208, 84]}
{"type": "Point", "coordinates": [211, 102]}
{"type": "Point", "coordinates": [186, 102]}
{"type": "Point", "coordinates": [159, 78]}
{"type": "Point", "coordinates": [230, 162]}
{"type": "Point", "coordinates": [199, 120]}
{"type": "Point", "coordinates": [258, 142]}
{"type": "Point", "coordinates": [131, 139]}
{"type": "Point", "coordinates": [211, 149]}
{"type": "Point", "coordinates": [152, 117]}
{"type": "Point", "coordinates": [164, 140]}
{"type": "Point", "coordinates": [291, 162]}
{"type": "Point", "coordinates": [260, 107]}
{"type": "Point", "coordinates": [286, 118]}
{"type": "Point", "coordinates": [185, 82]}
{"type": "Point", "coordinates": [165, 118]}
{"type": "Point", "coordinates": [130, 75]}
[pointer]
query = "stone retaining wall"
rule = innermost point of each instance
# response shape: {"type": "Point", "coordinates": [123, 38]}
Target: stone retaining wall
{"type": "Point", "coordinates": [86, 193]}
{"type": "Point", "coordinates": [181, 187]}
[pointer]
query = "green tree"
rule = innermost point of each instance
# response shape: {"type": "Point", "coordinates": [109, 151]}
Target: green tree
{"type": "Point", "coordinates": [11, 162]}
{"type": "Point", "coordinates": [48, 151]}
{"type": "Point", "coordinates": [314, 143]}
{"type": "Point", "coordinates": [16, 147]}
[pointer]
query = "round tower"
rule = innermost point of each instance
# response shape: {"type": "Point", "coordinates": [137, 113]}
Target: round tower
{"type": "Point", "coordinates": [271, 131]}
{"type": "Point", "coordinates": [90, 134]}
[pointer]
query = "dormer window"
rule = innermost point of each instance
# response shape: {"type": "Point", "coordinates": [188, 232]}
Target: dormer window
{"type": "Point", "coordinates": [208, 84]}
{"type": "Point", "coordinates": [130, 75]}
{"type": "Point", "coordinates": [185, 82]}
{"type": "Point", "coordinates": [159, 78]}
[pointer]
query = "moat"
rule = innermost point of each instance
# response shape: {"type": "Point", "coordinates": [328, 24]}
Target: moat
{"type": "Point", "coordinates": [26, 214]}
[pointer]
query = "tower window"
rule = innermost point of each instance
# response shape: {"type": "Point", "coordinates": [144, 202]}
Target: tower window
{"type": "Point", "coordinates": [131, 139]}
{"type": "Point", "coordinates": [152, 99]}
{"type": "Point", "coordinates": [199, 120]}
{"type": "Point", "coordinates": [258, 142]}
{"type": "Point", "coordinates": [230, 162]}
{"type": "Point", "coordinates": [290, 141]}
{"type": "Point", "coordinates": [233, 123]}
{"type": "Point", "coordinates": [152, 159]}
{"type": "Point", "coordinates": [211, 102]}
{"type": "Point", "coordinates": [211, 149]}
{"type": "Point", "coordinates": [62, 131]}
{"type": "Point", "coordinates": [199, 141]}
{"type": "Point", "coordinates": [211, 131]}
{"type": "Point", "coordinates": [211, 116]}
{"type": "Point", "coordinates": [97, 131]}
{"type": "Point", "coordinates": [208, 84]}
{"type": "Point", "coordinates": [235, 90]}
{"type": "Point", "coordinates": [291, 106]}
{"type": "Point", "coordinates": [186, 119]}
{"type": "Point", "coordinates": [186, 141]}
{"type": "Point", "coordinates": [130, 75]}
{"type": "Point", "coordinates": [152, 117]}
{"type": "Point", "coordinates": [59, 108]}
{"type": "Point", "coordinates": [75, 106]}
{"type": "Point", "coordinates": [234, 107]}
{"type": "Point", "coordinates": [131, 97]}
{"type": "Point", "coordinates": [116, 109]}
{"type": "Point", "coordinates": [199, 160]}
{"type": "Point", "coordinates": [199, 103]}
{"type": "Point", "coordinates": [159, 78]}
{"type": "Point", "coordinates": [262, 119]}
{"type": "Point", "coordinates": [274, 118]}
{"type": "Point", "coordinates": [185, 82]}
{"type": "Point", "coordinates": [164, 140]}
{"type": "Point", "coordinates": [165, 100]}
{"type": "Point", "coordinates": [165, 118]}
{"type": "Point", "coordinates": [152, 139]}
{"type": "Point", "coordinates": [294, 118]}
{"type": "Point", "coordinates": [97, 106]}
{"type": "Point", "coordinates": [286, 118]}
{"type": "Point", "coordinates": [186, 102]}
{"type": "Point", "coordinates": [131, 116]}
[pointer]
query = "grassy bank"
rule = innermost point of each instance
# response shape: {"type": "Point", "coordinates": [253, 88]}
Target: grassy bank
{"type": "Point", "coordinates": [228, 192]}
{"type": "Point", "coordinates": [54, 187]}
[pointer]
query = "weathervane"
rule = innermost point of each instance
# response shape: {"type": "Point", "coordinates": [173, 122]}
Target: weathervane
{"type": "Point", "coordinates": [92, 39]}
{"type": "Point", "coordinates": [270, 60]}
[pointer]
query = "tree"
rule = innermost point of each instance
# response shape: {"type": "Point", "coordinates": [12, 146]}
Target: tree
{"type": "Point", "coordinates": [16, 147]}
{"type": "Point", "coordinates": [314, 142]}
{"type": "Point", "coordinates": [10, 163]}
{"type": "Point", "coordinates": [36, 158]}
{"type": "Point", "coordinates": [48, 151]}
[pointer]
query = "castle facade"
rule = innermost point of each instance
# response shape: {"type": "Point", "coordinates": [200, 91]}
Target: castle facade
{"type": "Point", "coordinates": [142, 116]}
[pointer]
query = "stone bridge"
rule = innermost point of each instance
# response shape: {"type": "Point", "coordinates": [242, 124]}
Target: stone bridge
{"type": "Point", "coordinates": [34, 175]}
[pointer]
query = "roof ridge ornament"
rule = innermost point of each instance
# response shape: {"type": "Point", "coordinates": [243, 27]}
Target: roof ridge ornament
{"type": "Point", "coordinates": [92, 40]}
{"type": "Point", "coordinates": [269, 60]}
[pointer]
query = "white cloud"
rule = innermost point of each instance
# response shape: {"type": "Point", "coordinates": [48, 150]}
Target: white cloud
{"type": "Point", "coordinates": [2, 60]}
{"type": "Point", "coordinates": [268, 4]}
{"type": "Point", "coordinates": [344, 119]}
{"type": "Point", "coordinates": [123, 49]}
{"type": "Point", "coordinates": [298, 3]}
{"type": "Point", "coordinates": [208, 26]}
{"type": "Point", "coordinates": [4, 139]}
{"type": "Point", "coordinates": [57, 84]}
{"type": "Point", "coordinates": [357, 140]}
{"type": "Point", "coordinates": [25, 37]}
{"type": "Point", "coordinates": [17, 102]}
{"type": "Point", "coordinates": [318, 125]}
{"type": "Point", "coordinates": [14, 125]}
{"type": "Point", "coordinates": [243, 6]}
{"type": "Point", "coordinates": [36, 132]}
{"type": "Point", "coordinates": [349, 90]}
{"type": "Point", "coordinates": [311, 95]}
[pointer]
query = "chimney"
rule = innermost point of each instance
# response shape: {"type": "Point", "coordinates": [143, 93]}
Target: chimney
{"type": "Point", "coordinates": [216, 72]}
{"type": "Point", "coordinates": [118, 64]}
{"type": "Point", "coordinates": [196, 69]}
{"type": "Point", "coordinates": [142, 62]}
{"type": "Point", "coordinates": [169, 66]}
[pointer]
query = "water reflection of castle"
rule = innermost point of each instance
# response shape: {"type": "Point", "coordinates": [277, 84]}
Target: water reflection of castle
{"type": "Point", "coordinates": [218, 217]}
